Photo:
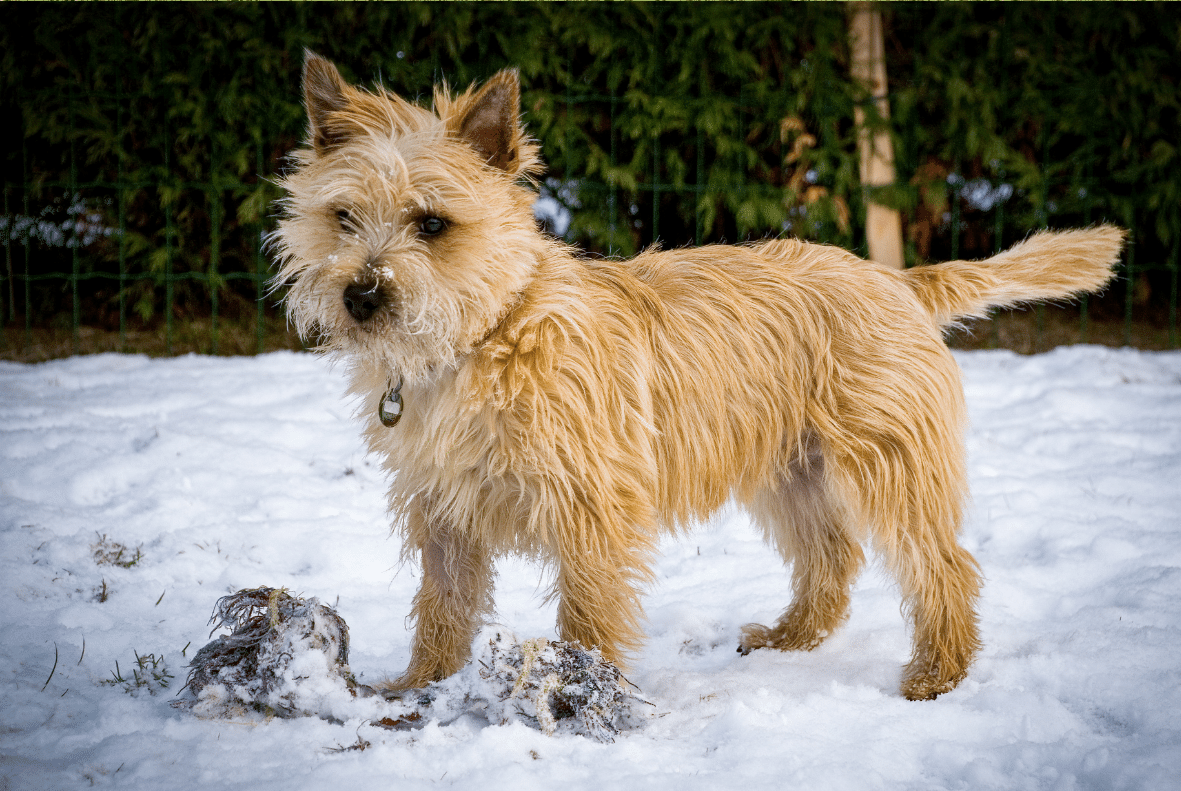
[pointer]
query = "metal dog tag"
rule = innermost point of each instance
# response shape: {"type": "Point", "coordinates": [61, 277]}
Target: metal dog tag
{"type": "Point", "coordinates": [390, 408]}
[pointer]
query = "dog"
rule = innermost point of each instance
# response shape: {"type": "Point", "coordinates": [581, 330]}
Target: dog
{"type": "Point", "coordinates": [524, 398]}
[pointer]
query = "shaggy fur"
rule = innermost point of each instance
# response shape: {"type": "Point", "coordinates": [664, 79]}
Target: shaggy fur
{"type": "Point", "coordinates": [572, 409]}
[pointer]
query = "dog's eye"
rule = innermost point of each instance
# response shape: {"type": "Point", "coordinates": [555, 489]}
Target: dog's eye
{"type": "Point", "coordinates": [432, 226]}
{"type": "Point", "coordinates": [345, 220]}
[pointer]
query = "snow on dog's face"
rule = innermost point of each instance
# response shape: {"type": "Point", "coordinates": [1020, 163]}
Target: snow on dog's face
{"type": "Point", "coordinates": [388, 217]}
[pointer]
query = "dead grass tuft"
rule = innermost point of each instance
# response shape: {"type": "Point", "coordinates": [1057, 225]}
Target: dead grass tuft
{"type": "Point", "coordinates": [111, 553]}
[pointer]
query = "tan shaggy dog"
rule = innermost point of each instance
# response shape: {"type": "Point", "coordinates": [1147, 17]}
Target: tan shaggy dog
{"type": "Point", "coordinates": [526, 399]}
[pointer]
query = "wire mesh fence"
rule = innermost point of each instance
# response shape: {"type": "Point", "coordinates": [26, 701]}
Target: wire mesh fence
{"type": "Point", "coordinates": [80, 250]}
{"type": "Point", "coordinates": [137, 192]}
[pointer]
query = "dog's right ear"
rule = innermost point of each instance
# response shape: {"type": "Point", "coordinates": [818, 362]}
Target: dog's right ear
{"type": "Point", "coordinates": [323, 94]}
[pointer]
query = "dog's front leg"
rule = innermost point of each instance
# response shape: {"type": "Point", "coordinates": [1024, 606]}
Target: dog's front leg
{"type": "Point", "coordinates": [602, 563]}
{"type": "Point", "coordinates": [457, 577]}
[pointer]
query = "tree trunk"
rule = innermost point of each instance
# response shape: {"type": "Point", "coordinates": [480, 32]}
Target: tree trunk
{"type": "Point", "coordinates": [883, 226]}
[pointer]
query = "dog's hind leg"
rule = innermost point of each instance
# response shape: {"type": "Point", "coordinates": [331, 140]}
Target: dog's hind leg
{"type": "Point", "coordinates": [940, 584]}
{"type": "Point", "coordinates": [800, 520]}
{"type": "Point", "coordinates": [456, 591]}
{"type": "Point", "coordinates": [912, 488]}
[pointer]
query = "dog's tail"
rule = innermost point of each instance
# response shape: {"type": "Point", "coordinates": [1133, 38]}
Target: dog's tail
{"type": "Point", "coordinates": [1047, 265]}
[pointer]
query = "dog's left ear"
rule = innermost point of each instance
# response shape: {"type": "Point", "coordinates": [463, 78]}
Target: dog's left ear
{"type": "Point", "coordinates": [490, 121]}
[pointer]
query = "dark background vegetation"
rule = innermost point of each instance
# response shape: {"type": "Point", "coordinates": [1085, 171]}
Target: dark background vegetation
{"type": "Point", "coordinates": [141, 139]}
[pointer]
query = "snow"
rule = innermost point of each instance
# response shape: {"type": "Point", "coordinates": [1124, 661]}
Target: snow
{"type": "Point", "coordinates": [226, 474]}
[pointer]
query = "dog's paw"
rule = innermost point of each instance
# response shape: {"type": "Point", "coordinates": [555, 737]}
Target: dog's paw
{"type": "Point", "coordinates": [753, 636]}
{"type": "Point", "coordinates": [784, 636]}
{"type": "Point", "coordinates": [929, 685]}
{"type": "Point", "coordinates": [404, 688]}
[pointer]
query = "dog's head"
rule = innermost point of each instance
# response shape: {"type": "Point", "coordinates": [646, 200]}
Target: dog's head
{"type": "Point", "coordinates": [407, 233]}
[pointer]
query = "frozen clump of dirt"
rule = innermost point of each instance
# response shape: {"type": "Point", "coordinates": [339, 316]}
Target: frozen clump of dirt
{"type": "Point", "coordinates": [553, 686]}
{"type": "Point", "coordinates": [285, 656]}
{"type": "Point", "coordinates": [288, 657]}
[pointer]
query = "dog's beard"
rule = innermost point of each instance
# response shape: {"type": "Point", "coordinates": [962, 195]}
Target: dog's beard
{"type": "Point", "coordinates": [413, 335]}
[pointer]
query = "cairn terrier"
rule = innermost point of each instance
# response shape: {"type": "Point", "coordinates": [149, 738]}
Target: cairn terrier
{"type": "Point", "coordinates": [527, 399]}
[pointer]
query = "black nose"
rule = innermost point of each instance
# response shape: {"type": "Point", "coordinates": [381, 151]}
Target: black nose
{"type": "Point", "coordinates": [362, 299]}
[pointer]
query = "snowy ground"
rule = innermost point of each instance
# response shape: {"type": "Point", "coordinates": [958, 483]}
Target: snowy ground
{"type": "Point", "coordinates": [221, 474]}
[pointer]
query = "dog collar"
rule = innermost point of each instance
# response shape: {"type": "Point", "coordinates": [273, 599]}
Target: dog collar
{"type": "Point", "coordinates": [389, 409]}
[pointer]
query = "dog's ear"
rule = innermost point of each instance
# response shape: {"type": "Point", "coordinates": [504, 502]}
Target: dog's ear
{"type": "Point", "coordinates": [323, 94]}
{"type": "Point", "coordinates": [490, 121]}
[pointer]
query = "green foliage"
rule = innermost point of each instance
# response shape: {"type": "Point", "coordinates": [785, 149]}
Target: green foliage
{"type": "Point", "coordinates": [678, 123]}
{"type": "Point", "coordinates": [1074, 106]}
{"type": "Point", "coordinates": [149, 673]}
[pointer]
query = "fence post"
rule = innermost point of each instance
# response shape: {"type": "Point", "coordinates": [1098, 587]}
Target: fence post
{"type": "Point", "coordinates": [1084, 317]}
{"type": "Point", "coordinates": [612, 204]}
{"type": "Point", "coordinates": [956, 181]}
{"type": "Point", "coordinates": [1039, 311]}
{"type": "Point", "coordinates": [741, 187]}
{"type": "Point", "coordinates": [259, 267]}
{"type": "Point", "coordinates": [121, 186]}
{"type": "Point", "coordinates": [1130, 293]}
{"type": "Point", "coordinates": [28, 246]}
{"type": "Point", "coordinates": [568, 170]}
{"type": "Point", "coordinates": [214, 239]}
{"type": "Point", "coordinates": [8, 265]}
{"type": "Point", "coordinates": [75, 269]}
{"type": "Point", "coordinates": [167, 245]}
{"type": "Point", "coordinates": [1173, 292]}
{"type": "Point", "coordinates": [999, 242]}
{"type": "Point", "coordinates": [699, 191]}
{"type": "Point", "coordinates": [657, 84]}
